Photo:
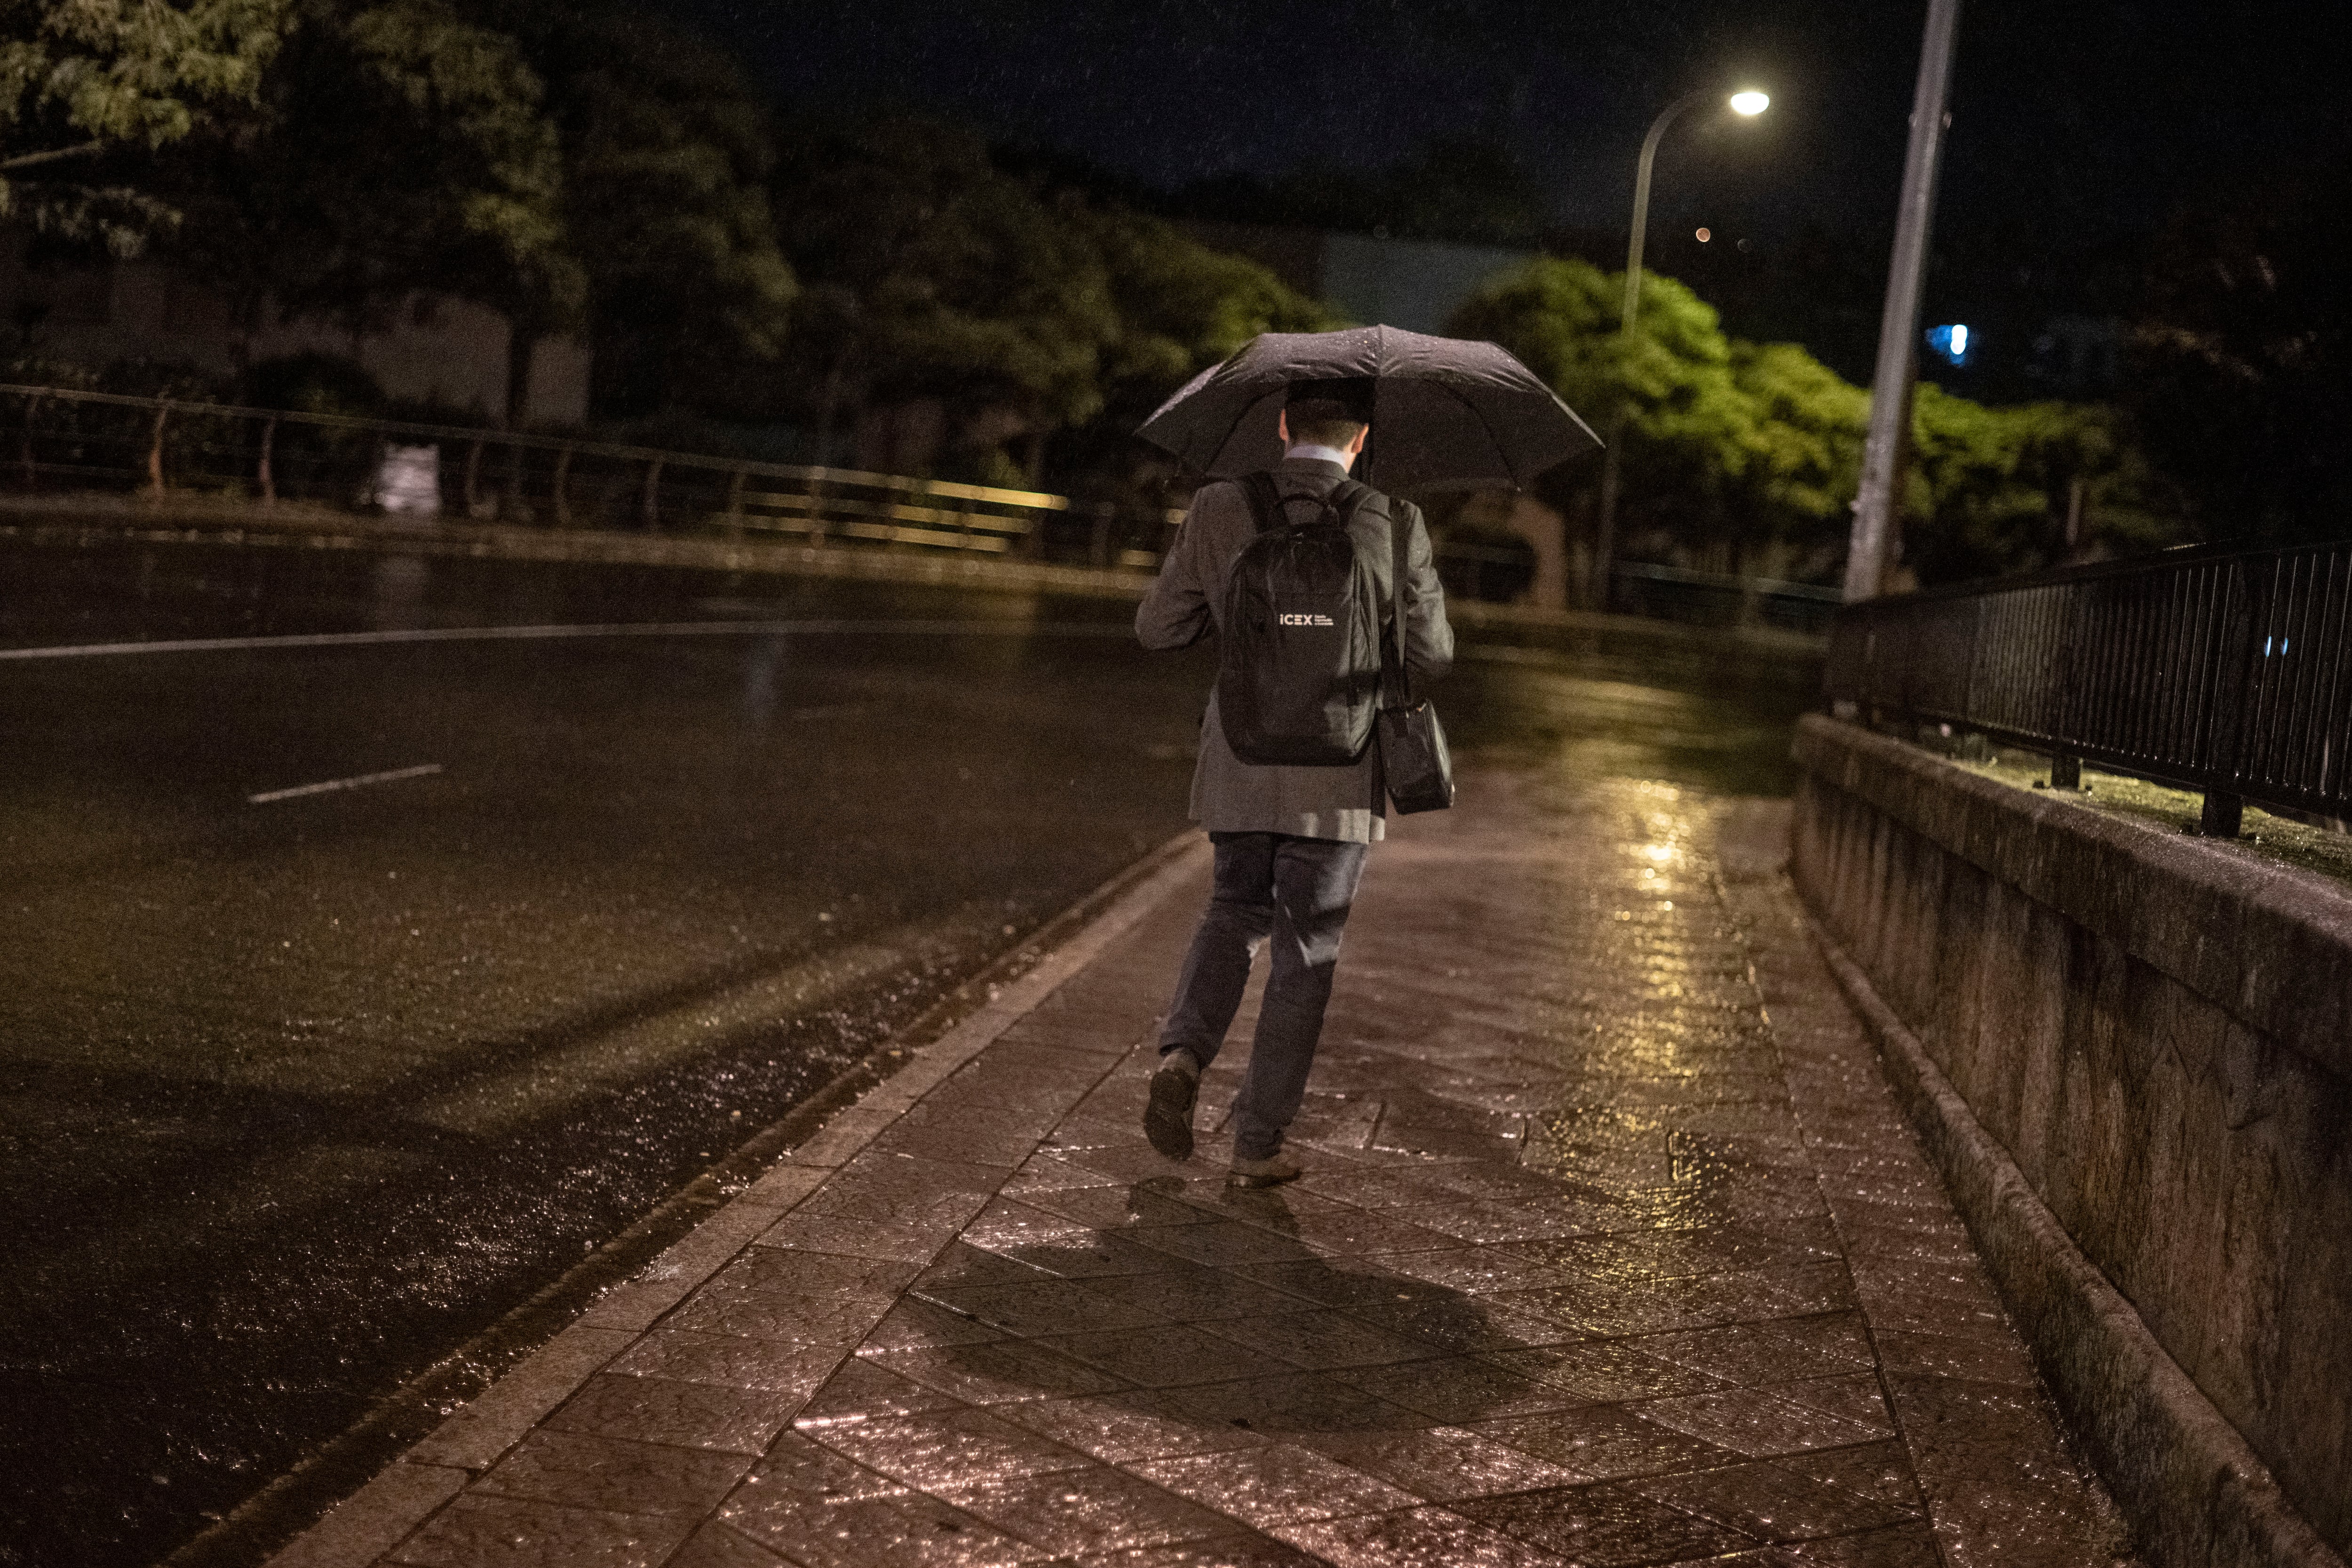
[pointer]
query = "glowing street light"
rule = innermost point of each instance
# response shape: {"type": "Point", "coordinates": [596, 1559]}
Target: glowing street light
{"type": "Point", "coordinates": [1748, 103]}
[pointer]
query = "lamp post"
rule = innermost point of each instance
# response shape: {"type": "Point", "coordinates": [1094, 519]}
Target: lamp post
{"type": "Point", "coordinates": [1878, 506]}
{"type": "Point", "coordinates": [1746, 103]}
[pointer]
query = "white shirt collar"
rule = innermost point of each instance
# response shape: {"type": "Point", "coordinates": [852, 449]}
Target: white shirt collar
{"type": "Point", "coordinates": [1319, 454]}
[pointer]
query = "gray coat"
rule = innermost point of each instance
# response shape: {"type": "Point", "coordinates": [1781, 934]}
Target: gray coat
{"type": "Point", "coordinates": [1230, 796]}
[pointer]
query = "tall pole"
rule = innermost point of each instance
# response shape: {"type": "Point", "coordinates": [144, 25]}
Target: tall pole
{"type": "Point", "coordinates": [1604, 533]}
{"type": "Point", "coordinates": [1879, 504]}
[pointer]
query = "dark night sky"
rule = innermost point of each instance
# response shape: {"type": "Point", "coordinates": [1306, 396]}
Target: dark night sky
{"type": "Point", "coordinates": [2075, 120]}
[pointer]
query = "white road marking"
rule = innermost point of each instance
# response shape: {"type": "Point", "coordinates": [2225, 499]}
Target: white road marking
{"type": "Point", "coordinates": [418, 771]}
{"type": "Point", "coordinates": [619, 629]}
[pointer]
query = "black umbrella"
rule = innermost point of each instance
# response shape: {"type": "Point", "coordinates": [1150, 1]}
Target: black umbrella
{"type": "Point", "coordinates": [1448, 414]}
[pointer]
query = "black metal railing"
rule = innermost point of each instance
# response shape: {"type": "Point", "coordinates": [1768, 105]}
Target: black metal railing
{"type": "Point", "coordinates": [59, 441]}
{"type": "Point", "coordinates": [55, 439]}
{"type": "Point", "coordinates": [2227, 671]}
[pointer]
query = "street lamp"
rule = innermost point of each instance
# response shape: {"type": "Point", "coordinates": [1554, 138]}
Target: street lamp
{"type": "Point", "coordinates": [1748, 103]}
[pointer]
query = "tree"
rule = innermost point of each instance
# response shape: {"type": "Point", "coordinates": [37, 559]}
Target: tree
{"type": "Point", "coordinates": [929, 273]}
{"type": "Point", "coordinates": [400, 147]}
{"type": "Point", "coordinates": [84, 80]}
{"type": "Point", "coordinates": [1179, 308]}
{"type": "Point", "coordinates": [2243, 373]}
{"type": "Point", "coordinates": [1671, 378]}
{"type": "Point", "coordinates": [1800, 461]}
{"type": "Point", "coordinates": [665, 156]}
{"type": "Point", "coordinates": [1743, 457]}
{"type": "Point", "coordinates": [1998, 490]}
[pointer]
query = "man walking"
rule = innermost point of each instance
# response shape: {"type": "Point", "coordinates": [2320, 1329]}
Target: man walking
{"type": "Point", "coordinates": [1290, 840]}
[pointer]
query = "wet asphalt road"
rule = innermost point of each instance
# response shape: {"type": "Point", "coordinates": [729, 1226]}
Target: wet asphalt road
{"type": "Point", "coordinates": [296, 1096]}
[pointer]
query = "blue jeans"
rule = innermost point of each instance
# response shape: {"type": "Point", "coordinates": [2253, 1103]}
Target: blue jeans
{"type": "Point", "coordinates": [1297, 892]}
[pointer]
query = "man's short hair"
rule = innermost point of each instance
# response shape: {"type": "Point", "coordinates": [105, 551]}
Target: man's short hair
{"type": "Point", "coordinates": [1329, 413]}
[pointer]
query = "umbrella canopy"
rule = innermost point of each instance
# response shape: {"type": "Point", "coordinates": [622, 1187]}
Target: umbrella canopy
{"type": "Point", "coordinates": [1448, 414]}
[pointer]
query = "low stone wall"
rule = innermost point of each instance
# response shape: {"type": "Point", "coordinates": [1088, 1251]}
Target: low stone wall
{"type": "Point", "coordinates": [2132, 1051]}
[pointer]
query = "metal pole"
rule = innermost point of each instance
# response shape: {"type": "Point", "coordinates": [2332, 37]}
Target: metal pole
{"type": "Point", "coordinates": [1604, 532]}
{"type": "Point", "coordinates": [1876, 508]}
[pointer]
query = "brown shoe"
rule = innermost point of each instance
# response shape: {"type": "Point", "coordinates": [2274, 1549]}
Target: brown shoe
{"type": "Point", "coordinates": [1168, 1119]}
{"type": "Point", "coordinates": [1270, 1172]}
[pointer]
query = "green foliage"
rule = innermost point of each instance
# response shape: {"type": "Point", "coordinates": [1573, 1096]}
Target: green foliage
{"type": "Point", "coordinates": [400, 147]}
{"type": "Point", "coordinates": [83, 80]}
{"type": "Point", "coordinates": [1181, 307]}
{"type": "Point", "coordinates": [1989, 490]}
{"type": "Point", "coordinates": [1746, 455]}
{"type": "Point", "coordinates": [665, 156]}
{"type": "Point", "coordinates": [929, 273]}
{"type": "Point", "coordinates": [2243, 355]}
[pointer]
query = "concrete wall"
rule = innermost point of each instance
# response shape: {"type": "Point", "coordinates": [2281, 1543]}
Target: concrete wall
{"type": "Point", "coordinates": [2157, 1031]}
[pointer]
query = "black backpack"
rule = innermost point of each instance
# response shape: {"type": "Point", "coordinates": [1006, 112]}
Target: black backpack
{"type": "Point", "coordinates": [1299, 665]}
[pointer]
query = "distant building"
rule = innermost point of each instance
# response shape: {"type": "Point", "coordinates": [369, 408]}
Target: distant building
{"type": "Point", "coordinates": [430, 349]}
{"type": "Point", "coordinates": [1415, 284]}
{"type": "Point", "coordinates": [2077, 356]}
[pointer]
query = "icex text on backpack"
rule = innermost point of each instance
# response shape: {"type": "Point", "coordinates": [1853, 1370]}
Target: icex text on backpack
{"type": "Point", "coordinates": [1298, 620]}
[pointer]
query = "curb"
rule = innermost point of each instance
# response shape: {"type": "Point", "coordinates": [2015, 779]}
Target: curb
{"type": "Point", "coordinates": [412, 1453]}
{"type": "Point", "coordinates": [2195, 1491]}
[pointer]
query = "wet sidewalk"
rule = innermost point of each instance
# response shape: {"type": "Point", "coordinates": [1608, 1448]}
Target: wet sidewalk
{"type": "Point", "coordinates": [1614, 1249]}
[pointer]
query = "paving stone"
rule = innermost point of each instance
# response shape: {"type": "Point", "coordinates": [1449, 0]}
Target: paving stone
{"type": "Point", "coordinates": [1274, 1485]}
{"type": "Point", "coordinates": [1415, 1536]}
{"type": "Point", "coordinates": [1606, 1526]}
{"type": "Point", "coordinates": [1604, 1371]}
{"type": "Point", "coordinates": [1896, 1546]}
{"type": "Point", "coordinates": [1073, 1512]}
{"type": "Point", "coordinates": [997, 1370]}
{"type": "Point", "coordinates": [1050, 1305]}
{"type": "Point", "coordinates": [1114, 1207]}
{"type": "Point", "coordinates": [1461, 1388]}
{"type": "Point", "coordinates": [1133, 1425]}
{"type": "Point", "coordinates": [915, 1322]}
{"type": "Point", "coordinates": [904, 1530]}
{"type": "Point", "coordinates": [1771, 1503]}
{"type": "Point", "coordinates": [478, 1531]}
{"type": "Point", "coordinates": [939, 1449]}
{"type": "Point", "coordinates": [578, 1470]}
{"type": "Point", "coordinates": [690, 1414]}
{"type": "Point", "coordinates": [729, 1359]}
{"type": "Point", "coordinates": [1319, 1341]}
{"type": "Point", "coordinates": [1219, 1552]}
{"type": "Point", "coordinates": [1469, 1324]}
{"type": "Point", "coordinates": [1192, 1294]}
{"type": "Point", "coordinates": [1168, 1356]}
{"type": "Point", "coordinates": [797, 1463]}
{"type": "Point", "coordinates": [960, 1263]}
{"type": "Point", "coordinates": [1758, 1422]}
{"type": "Point", "coordinates": [1603, 1442]}
{"type": "Point", "coordinates": [857, 1236]}
{"type": "Point", "coordinates": [716, 1545]}
{"type": "Point", "coordinates": [1442, 1463]}
{"type": "Point", "coordinates": [865, 1390]}
{"type": "Point", "coordinates": [1881, 1472]}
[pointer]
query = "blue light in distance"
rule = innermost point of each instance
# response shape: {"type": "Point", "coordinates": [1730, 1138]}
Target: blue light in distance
{"type": "Point", "coordinates": [1953, 343]}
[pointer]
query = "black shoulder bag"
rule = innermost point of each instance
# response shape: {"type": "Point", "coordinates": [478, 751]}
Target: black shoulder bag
{"type": "Point", "coordinates": [1414, 758]}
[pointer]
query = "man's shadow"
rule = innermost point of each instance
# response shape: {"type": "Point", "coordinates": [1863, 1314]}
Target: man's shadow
{"type": "Point", "coordinates": [1210, 1320]}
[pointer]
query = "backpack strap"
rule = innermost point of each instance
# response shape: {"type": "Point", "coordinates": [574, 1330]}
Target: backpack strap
{"type": "Point", "coordinates": [1269, 507]}
{"type": "Point", "coordinates": [1265, 501]}
{"type": "Point", "coordinates": [1399, 549]}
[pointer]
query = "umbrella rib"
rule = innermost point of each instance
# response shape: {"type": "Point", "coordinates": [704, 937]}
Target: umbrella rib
{"type": "Point", "coordinates": [1492, 439]}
